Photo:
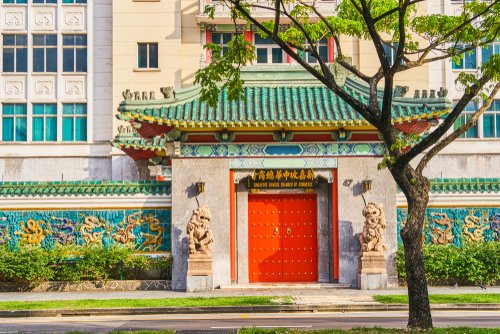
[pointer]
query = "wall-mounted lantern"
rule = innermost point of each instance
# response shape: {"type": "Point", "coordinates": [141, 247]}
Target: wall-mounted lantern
{"type": "Point", "coordinates": [367, 185]}
{"type": "Point", "coordinates": [200, 186]}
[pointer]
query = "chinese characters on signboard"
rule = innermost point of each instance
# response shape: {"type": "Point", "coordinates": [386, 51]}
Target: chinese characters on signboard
{"type": "Point", "coordinates": [282, 179]}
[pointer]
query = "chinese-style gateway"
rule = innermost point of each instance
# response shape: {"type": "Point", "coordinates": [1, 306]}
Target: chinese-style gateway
{"type": "Point", "coordinates": [285, 172]}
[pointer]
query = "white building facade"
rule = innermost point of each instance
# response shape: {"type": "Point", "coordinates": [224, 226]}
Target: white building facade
{"type": "Point", "coordinates": [55, 90]}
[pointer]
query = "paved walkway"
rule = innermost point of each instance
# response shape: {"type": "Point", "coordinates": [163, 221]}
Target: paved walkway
{"type": "Point", "coordinates": [301, 296]}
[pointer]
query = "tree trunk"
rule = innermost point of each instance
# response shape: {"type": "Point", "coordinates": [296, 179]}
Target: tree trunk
{"type": "Point", "coordinates": [419, 308]}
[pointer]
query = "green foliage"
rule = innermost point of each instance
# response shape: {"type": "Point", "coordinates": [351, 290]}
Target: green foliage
{"type": "Point", "coordinates": [27, 264]}
{"type": "Point", "coordinates": [224, 69]}
{"type": "Point", "coordinates": [33, 264]}
{"type": "Point", "coordinates": [473, 263]}
{"type": "Point", "coordinates": [98, 263]}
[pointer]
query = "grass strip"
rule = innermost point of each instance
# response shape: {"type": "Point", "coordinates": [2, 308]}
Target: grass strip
{"type": "Point", "coordinates": [480, 298]}
{"type": "Point", "coordinates": [131, 303]}
{"type": "Point", "coordinates": [361, 330]}
{"type": "Point", "coordinates": [374, 330]}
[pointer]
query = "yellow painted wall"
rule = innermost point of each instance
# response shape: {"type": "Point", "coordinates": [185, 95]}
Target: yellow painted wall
{"type": "Point", "coordinates": [171, 24]}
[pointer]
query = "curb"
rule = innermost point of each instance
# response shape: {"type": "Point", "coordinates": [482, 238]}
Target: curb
{"type": "Point", "coordinates": [240, 309]}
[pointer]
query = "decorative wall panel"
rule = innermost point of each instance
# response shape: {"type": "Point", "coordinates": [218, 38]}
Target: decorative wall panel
{"type": "Point", "coordinates": [44, 87]}
{"type": "Point", "coordinates": [74, 18]}
{"type": "Point", "coordinates": [454, 226]}
{"type": "Point", "coordinates": [249, 150]}
{"type": "Point", "coordinates": [43, 18]}
{"type": "Point", "coordinates": [74, 87]}
{"type": "Point", "coordinates": [145, 230]}
{"type": "Point", "coordinates": [13, 87]}
{"type": "Point", "coordinates": [14, 18]}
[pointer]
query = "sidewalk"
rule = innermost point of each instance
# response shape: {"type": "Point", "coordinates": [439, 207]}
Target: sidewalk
{"type": "Point", "coordinates": [302, 296]}
{"type": "Point", "coordinates": [305, 300]}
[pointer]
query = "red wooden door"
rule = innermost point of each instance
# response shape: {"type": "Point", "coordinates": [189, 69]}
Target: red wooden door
{"type": "Point", "coordinates": [282, 238]}
{"type": "Point", "coordinates": [300, 253]}
{"type": "Point", "coordinates": [264, 239]}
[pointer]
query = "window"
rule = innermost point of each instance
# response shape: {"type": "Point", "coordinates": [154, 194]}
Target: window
{"type": "Point", "coordinates": [14, 119]}
{"type": "Point", "coordinates": [322, 47]}
{"type": "Point", "coordinates": [222, 39]}
{"type": "Point", "coordinates": [467, 61]}
{"type": "Point", "coordinates": [74, 1]}
{"type": "Point", "coordinates": [44, 53]}
{"type": "Point", "coordinates": [491, 120]}
{"type": "Point", "coordinates": [44, 1]}
{"type": "Point", "coordinates": [391, 50]}
{"type": "Point", "coordinates": [15, 1]}
{"type": "Point", "coordinates": [268, 51]}
{"type": "Point", "coordinates": [147, 55]}
{"type": "Point", "coordinates": [15, 53]}
{"type": "Point", "coordinates": [75, 53]}
{"type": "Point", "coordinates": [488, 50]}
{"type": "Point", "coordinates": [462, 119]}
{"type": "Point", "coordinates": [44, 122]}
{"type": "Point", "coordinates": [74, 122]}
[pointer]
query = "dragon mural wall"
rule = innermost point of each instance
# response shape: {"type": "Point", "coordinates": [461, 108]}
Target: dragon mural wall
{"type": "Point", "coordinates": [145, 230]}
{"type": "Point", "coordinates": [454, 226]}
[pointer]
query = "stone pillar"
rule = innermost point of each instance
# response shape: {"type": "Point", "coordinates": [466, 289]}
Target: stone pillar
{"type": "Point", "coordinates": [372, 272]}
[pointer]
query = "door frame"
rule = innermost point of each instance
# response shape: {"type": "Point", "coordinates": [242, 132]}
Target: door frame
{"type": "Point", "coordinates": [281, 255]}
{"type": "Point", "coordinates": [325, 229]}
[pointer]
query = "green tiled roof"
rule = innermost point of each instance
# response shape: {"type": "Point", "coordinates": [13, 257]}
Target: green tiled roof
{"type": "Point", "coordinates": [463, 185]}
{"type": "Point", "coordinates": [79, 188]}
{"type": "Point", "coordinates": [138, 143]}
{"type": "Point", "coordinates": [275, 103]}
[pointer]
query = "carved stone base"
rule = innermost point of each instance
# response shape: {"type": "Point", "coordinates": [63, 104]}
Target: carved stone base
{"type": "Point", "coordinates": [372, 263]}
{"type": "Point", "coordinates": [372, 281]}
{"type": "Point", "coordinates": [199, 283]}
{"type": "Point", "coordinates": [372, 271]}
{"type": "Point", "coordinates": [199, 266]}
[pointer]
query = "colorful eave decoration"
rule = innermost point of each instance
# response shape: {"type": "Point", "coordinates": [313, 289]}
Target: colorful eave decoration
{"type": "Point", "coordinates": [275, 98]}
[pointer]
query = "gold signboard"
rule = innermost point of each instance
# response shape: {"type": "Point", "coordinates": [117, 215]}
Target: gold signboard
{"type": "Point", "coordinates": [282, 179]}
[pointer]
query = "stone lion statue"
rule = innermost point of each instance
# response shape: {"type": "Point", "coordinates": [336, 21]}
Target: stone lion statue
{"type": "Point", "coordinates": [372, 237]}
{"type": "Point", "coordinates": [200, 236]}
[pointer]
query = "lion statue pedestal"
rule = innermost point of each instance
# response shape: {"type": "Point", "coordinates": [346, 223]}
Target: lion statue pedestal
{"type": "Point", "coordinates": [199, 274]}
{"type": "Point", "coordinates": [372, 272]}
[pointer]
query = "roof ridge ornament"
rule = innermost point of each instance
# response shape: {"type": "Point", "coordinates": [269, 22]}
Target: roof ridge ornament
{"type": "Point", "coordinates": [168, 92]}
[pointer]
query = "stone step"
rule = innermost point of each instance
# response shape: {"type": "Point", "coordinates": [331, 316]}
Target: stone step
{"type": "Point", "coordinates": [287, 286]}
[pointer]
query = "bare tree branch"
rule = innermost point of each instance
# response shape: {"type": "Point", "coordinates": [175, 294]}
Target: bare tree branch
{"type": "Point", "coordinates": [327, 80]}
{"type": "Point", "coordinates": [445, 38]}
{"type": "Point", "coordinates": [448, 122]}
{"type": "Point", "coordinates": [457, 133]}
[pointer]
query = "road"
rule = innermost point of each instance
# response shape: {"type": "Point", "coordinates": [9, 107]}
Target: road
{"type": "Point", "coordinates": [226, 322]}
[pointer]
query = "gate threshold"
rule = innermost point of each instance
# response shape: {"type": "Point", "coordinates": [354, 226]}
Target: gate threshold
{"type": "Point", "coordinates": [288, 286]}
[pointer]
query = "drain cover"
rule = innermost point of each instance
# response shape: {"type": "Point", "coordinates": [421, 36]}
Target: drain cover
{"type": "Point", "coordinates": [208, 331]}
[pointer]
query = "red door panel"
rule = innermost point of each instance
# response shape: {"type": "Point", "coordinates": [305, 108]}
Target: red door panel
{"type": "Point", "coordinates": [282, 238]}
{"type": "Point", "coordinates": [264, 240]}
{"type": "Point", "coordinates": [300, 255]}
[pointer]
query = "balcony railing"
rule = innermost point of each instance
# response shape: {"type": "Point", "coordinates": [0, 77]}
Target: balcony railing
{"type": "Point", "coordinates": [325, 7]}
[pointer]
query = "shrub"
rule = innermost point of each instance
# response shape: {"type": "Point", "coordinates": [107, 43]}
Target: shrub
{"type": "Point", "coordinates": [34, 264]}
{"type": "Point", "coordinates": [473, 263]}
{"type": "Point", "coordinates": [29, 264]}
{"type": "Point", "coordinates": [100, 264]}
